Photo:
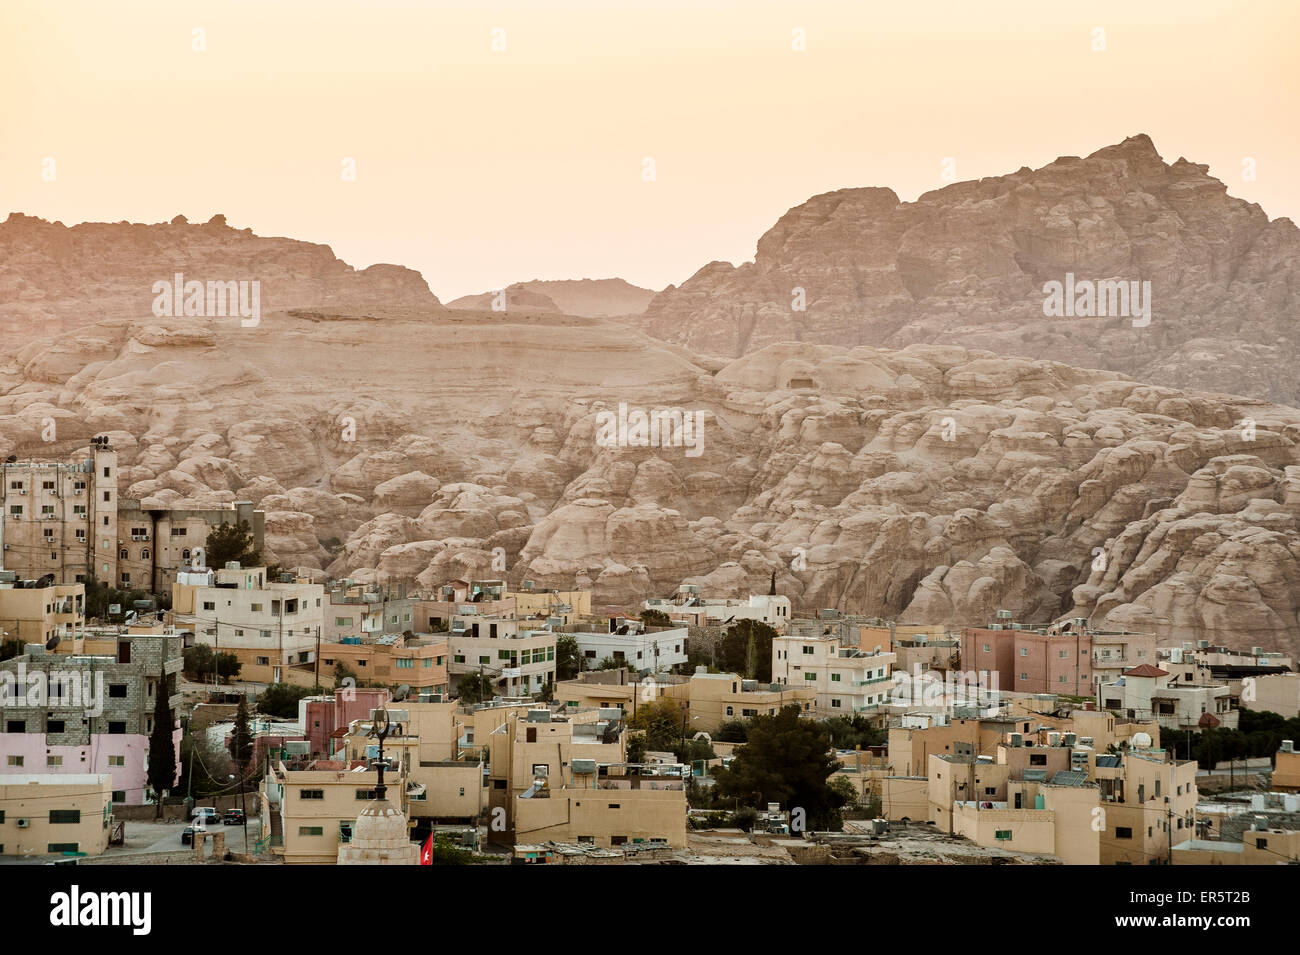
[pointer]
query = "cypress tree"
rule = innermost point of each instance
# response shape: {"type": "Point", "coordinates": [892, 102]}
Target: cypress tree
{"type": "Point", "coordinates": [162, 746]}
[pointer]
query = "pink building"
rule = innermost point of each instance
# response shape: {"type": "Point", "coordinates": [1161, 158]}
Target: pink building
{"type": "Point", "coordinates": [322, 717]}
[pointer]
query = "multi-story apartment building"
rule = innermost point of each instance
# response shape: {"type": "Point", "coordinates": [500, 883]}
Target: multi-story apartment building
{"type": "Point", "coordinates": [1148, 803]}
{"type": "Point", "coordinates": [393, 660]}
{"type": "Point", "coordinates": [267, 625]}
{"type": "Point", "coordinates": [716, 698]}
{"type": "Point", "coordinates": [1148, 692]}
{"type": "Point", "coordinates": [518, 661]}
{"type": "Point", "coordinates": [55, 813]}
{"type": "Point", "coordinates": [847, 680]}
{"type": "Point", "coordinates": [1068, 659]}
{"type": "Point", "coordinates": [94, 712]}
{"type": "Point", "coordinates": [628, 643]}
{"type": "Point", "coordinates": [53, 616]}
{"type": "Point", "coordinates": [69, 520]}
{"type": "Point", "coordinates": [310, 808]}
{"type": "Point", "coordinates": [691, 609]}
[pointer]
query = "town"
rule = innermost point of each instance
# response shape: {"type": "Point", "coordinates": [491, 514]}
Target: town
{"type": "Point", "coordinates": [169, 698]}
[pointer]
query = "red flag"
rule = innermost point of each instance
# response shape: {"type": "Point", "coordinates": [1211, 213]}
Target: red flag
{"type": "Point", "coordinates": [426, 854]}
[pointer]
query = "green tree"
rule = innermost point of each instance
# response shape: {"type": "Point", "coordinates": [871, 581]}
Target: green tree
{"type": "Point", "coordinates": [608, 663]}
{"type": "Point", "coordinates": [636, 747]}
{"type": "Point", "coordinates": [661, 722]}
{"type": "Point", "coordinates": [568, 659]}
{"type": "Point", "coordinates": [199, 661]}
{"type": "Point", "coordinates": [655, 618]}
{"type": "Point", "coordinates": [847, 732]}
{"type": "Point", "coordinates": [343, 672]}
{"type": "Point", "coordinates": [228, 542]}
{"type": "Point", "coordinates": [281, 699]}
{"type": "Point", "coordinates": [474, 688]}
{"type": "Point", "coordinates": [241, 740]}
{"type": "Point", "coordinates": [732, 731]}
{"type": "Point", "coordinates": [786, 760]}
{"type": "Point", "coordinates": [161, 773]}
{"type": "Point", "coordinates": [746, 648]}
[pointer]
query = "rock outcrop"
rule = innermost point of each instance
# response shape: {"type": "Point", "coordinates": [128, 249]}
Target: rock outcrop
{"type": "Point", "coordinates": [967, 264]}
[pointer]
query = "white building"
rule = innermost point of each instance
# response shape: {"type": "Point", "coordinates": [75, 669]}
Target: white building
{"type": "Point", "coordinates": [693, 610]}
{"type": "Point", "coordinates": [848, 680]}
{"type": "Point", "coordinates": [519, 661]}
{"type": "Point", "coordinates": [236, 610]}
{"type": "Point", "coordinates": [629, 643]}
{"type": "Point", "coordinates": [1147, 692]}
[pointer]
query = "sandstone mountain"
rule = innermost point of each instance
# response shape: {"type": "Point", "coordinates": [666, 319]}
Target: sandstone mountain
{"type": "Point", "coordinates": [932, 483]}
{"type": "Point", "coordinates": [589, 298]}
{"type": "Point", "coordinates": [967, 265]}
{"type": "Point", "coordinates": [53, 277]}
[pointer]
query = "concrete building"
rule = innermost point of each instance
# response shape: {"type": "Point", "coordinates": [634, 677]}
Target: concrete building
{"type": "Point", "coordinates": [418, 662]}
{"type": "Point", "coordinates": [629, 643]}
{"type": "Point", "coordinates": [354, 612]}
{"type": "Point", "coordinates": [68, 519]}
{"type": "Point", "coordinates": [309, 808]}
{"type": "Point", "coordinates": [847, 680]}
{"type": "Point", "coordinates": [715, 698]}
{"type": "Point", "coordinates": [619, 689]}
{"type": "Point", "coordinates": [1286, 768]}
{"type": "Point", "coordinates": [268, 625]}
{"type": "Point", "coordinates": [518, 661]}
{"type": "Point", "coordinates": [89, 713]}
{"type": "Point", "coordinates": [1054, 818]}
{"type": "Point", "coordinates": [1148, 804]}
{"type": "Point", "coordinates": [55, 813]}
{"type": "Point", "coordinates": [690, 609]}
{"type": "Point", "coordinates": [1066, 659]}
{"type": "Point", "coordinates": [53, 615]}
{"type": "Point", "coordinates": [1148, 692]}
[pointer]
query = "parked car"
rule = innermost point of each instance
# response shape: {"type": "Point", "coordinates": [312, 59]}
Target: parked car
{"type": "Point", "coordinates": [233, 817]}
{"type": "Point", "coordinates": [187, 836]}
{"type": "Point", "coordinates": [202, 815]}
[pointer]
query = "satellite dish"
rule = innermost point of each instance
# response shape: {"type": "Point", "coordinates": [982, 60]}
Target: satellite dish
{"type": "Point", "coordinates": [11, 459]}
{"type": "Point", "coordinates": [401, 693]}
{"type": "Point", "coordinates": [53, 642]}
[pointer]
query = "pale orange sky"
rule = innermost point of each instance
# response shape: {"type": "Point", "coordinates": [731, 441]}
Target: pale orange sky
{"type": "Point", "coordinates": [480, 168]}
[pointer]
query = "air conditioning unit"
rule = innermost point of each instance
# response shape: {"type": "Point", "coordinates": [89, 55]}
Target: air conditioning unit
{"type": "Point", "coordinates": [77, 491]}
{"type": "Point", "coordinates": [23, 492]}
{"type": "Point", "coordinates": [23, 823]}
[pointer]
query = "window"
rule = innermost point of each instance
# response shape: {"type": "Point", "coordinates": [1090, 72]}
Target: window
{"type": "Point", "coordinates": [406, 664]}
{"type": "Point", "coordinates": [1024, 651]}
{"type": "Point", "coordinates": [809, 676]}
{"type": "Point", "coordinates": [1123, 832]}
{"type": "Point", "coordinates": [209, 605]}
{"type": "Point", "coordinates": [117, 691]}
{"type": "Point", "coordinates": [117, 760]}
{"type": "Point", "coordinates": [835, 678]}
{"type": "Point", "coordinates": [55, 848]}
{"type": "Point", "coordinates": [311, 830]}
{"type": "Point", "coordinates": [615, 805]}
{"type": "Point", "coordinates": [119, 795]}
{"type": "Point", "coordinates": [14, 761]}
{"type": "Point", "coordinates": [311, 794]}
{"type": "Point", "coordinates": [53, 760]}
{"type": "Point", "coordinates": [1024, 676]}
{"type": "Point", "coordinates": [365, 794]}
{"type": "Point", "coordinates": [144, 553]}
{"type": "Point", "coordinates": [835, 703]}
{"type": "Point", "coordinates": [54, 726]}
{"type": "Point", "coordinates": [15, 726]}
{"type": "Point", "coordinates": [1002, 835]}
{"type": "Point", "coordinates": [345, 832]}
{"type": "Point", "coordinates": [117, 728]}
{"type": "Point", "coordinates": [65, 816]}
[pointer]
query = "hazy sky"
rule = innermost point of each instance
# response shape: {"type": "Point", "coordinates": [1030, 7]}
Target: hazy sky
{"type": "Point", "coordinates": [481, 167]}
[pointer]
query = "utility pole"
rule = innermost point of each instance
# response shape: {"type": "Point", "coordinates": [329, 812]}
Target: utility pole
{"type": "Point", "coordinates": [318, 656]}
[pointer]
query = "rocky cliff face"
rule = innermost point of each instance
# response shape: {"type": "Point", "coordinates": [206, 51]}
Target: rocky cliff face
{"type": "Point", "coordinates": [54, 277]}
{"type": "Point", "coordinates": [967, 264]}
{"type": "Point", "coordinates": [589, 298]}
{"type": "Point", "coordinates": [934, 483]}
